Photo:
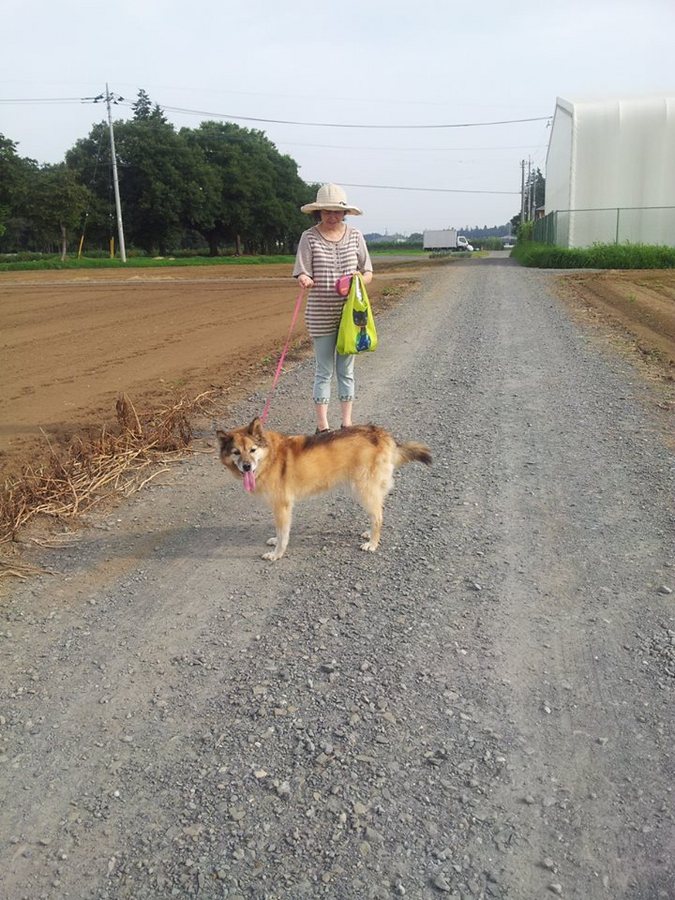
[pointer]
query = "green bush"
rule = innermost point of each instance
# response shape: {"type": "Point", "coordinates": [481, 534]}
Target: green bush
{"type": "Point", "coordinates": [599, 256]}
{"type": "Point", "coordinates": [525, 231]}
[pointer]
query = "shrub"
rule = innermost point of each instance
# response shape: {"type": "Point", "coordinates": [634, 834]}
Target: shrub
{"type": "Point", "coordinates": [525, 231]}
{"type": "Point", "coordinates": [599, 256]}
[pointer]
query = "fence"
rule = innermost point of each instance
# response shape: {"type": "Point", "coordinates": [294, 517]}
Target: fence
{"type": "Point", "coordinates": [613, 225]}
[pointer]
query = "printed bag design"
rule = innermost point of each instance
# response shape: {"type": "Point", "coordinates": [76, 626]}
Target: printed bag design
{"type": "Point", "coordinates": [356, 333]}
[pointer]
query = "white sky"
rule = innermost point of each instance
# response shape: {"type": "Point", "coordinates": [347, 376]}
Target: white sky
{"type": "Point", "coordinates": [375, 62]}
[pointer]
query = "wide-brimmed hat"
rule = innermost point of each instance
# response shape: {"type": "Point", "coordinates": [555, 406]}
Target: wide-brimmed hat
{"type": "Point", "coordinates": [331, 196]}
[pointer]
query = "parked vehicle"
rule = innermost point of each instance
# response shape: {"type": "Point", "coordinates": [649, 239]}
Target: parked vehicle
{"type": "Point", "coordinates": [445, 239]}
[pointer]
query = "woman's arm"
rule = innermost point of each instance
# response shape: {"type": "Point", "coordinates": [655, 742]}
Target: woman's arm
{"type": "Point", "coordinates": [365, 265]}
{"type": "Point", "coordinates": [303, 268]}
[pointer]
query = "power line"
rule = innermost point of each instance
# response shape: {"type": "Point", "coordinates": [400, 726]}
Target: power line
{"type": "Point", "coordinates": [201, 112]}
{"type": "Point", "coordinates": [390, 187]}
{"type": "Point", "coordinates": [44, 99]}
{"type": "Point", "coordinates": [410, 149]}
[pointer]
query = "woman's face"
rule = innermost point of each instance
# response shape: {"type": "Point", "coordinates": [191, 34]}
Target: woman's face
{"type": "Point", "coordinates": [331, 217]}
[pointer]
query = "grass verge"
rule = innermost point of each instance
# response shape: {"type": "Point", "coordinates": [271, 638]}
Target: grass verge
{"type": "Point", "coordinates": [138, 262]}
{"type": "Point", "coordinates": [599, 256]}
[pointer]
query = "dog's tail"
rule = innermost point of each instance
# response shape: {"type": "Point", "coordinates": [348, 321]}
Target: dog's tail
{"type": "Point", "coordinates": [411, 451]}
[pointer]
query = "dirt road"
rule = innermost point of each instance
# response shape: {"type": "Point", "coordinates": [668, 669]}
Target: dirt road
{"type": "Point", "coordinates": [481, 709]}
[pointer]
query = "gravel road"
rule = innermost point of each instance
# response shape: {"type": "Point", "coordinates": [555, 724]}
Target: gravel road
{"type": "Point", "coordinates": [482, 709]}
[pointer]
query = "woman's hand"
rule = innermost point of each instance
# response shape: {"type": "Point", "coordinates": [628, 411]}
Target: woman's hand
{"type": "Point", "coordinates": [305, 281]}
{"type": "Point", "coordinates": [367, 277]}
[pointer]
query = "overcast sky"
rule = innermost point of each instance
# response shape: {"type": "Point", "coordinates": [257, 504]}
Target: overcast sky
{"type": "Point", "coordinates": [373, 63]}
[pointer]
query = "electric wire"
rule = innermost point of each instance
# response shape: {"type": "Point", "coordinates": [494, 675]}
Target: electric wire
{"type": "Point", "coordinates": [230, 116]}
{"type": "Point", "coordinates": [44, 99]}
{"type": "Point", "coordinates": [435, 190]}
{"type": "Point", "coordinates": [201, 112]}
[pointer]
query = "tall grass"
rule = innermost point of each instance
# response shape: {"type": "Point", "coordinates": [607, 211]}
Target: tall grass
{"type": "Point", "coordinates": [136, 262]}
{"type": "Point", "coordinates": [599, 256]}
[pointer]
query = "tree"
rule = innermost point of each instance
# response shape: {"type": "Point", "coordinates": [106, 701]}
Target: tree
{"type": "Point", "coordinates": [536, 189]}
{"type": "Point", "coordinates": [144, 110]}
{"type": "Point", "coordinates": [165, 187]}
{"type": "Point", "coordinates": [57, 202]}
{"type": "Point", "coordinates": [259, 190]}
{"type": "Point", "coordinates": [151, 182]}
{"type": "Point", "coordinates": [90, 160]}
{"type": "Point", "coordinates": [15, 175]}
{"type": "Point", "coordinates": [142, 107]}
{"type": "Point", "coordinates": [228, 184]}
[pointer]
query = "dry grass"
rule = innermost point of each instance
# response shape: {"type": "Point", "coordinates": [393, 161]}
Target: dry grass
{"type": "Point", "coordinates": [117, 462]}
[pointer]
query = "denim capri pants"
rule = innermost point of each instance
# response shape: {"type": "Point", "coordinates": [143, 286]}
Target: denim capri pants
{"type": "Point", "coordinates": [327, 362]}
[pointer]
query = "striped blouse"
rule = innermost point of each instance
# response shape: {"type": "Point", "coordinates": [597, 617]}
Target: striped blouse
{"type": "Point", "coordinates": [325, 261]}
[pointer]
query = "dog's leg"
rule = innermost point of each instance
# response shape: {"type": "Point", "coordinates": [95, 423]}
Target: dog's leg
{"type": "Point", "coordinates": [371, 498]}
{"type": "Point", "coordinates": [373, 535]}
{"type": "Point", "coordinates": [372, 491]}
{"type": "Point", "coordinates": [283, 512]}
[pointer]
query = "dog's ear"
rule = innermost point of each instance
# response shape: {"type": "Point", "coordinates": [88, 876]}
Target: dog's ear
{"type": "Point", "coordinates": [224, 438]}
{"type": "Point", "coordinates": [255, 429]}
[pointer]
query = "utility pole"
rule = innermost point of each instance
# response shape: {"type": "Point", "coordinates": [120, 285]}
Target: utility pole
{"type": "Point", "coordinates": [118, 206]}
{"type": "Point", "coordinates": [522, 192]}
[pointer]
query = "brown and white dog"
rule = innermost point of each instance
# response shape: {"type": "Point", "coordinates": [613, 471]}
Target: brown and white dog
{"type": "Point", "coordinates": [285, 468]}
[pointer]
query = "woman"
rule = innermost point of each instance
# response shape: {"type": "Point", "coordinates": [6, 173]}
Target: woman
{"type": "Point", "coordinates": [326, 251]}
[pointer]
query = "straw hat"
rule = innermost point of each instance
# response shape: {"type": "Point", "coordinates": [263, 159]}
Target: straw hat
{"type": "Point", "coordinates": [331, 196]}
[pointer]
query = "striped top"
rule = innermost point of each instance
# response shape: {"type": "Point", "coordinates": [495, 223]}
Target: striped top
{"type": "Point", "coordinates": [325, 261]}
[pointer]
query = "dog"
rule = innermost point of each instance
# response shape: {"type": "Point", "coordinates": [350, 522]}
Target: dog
{"type": "Point", "coordinates": [285, 468]}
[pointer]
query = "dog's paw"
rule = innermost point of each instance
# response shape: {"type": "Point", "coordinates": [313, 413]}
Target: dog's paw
{"type": "Point", "coordinates": [365, 535]}
{"type": "Point", "coordinates": [369, 546]}
{"type": "Point", "coordinates": [272, 556]}
{"type": "Point", "coordinates": [271, 542]}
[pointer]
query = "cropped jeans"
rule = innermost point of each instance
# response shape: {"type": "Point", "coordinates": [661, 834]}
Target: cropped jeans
{"type": "Point", "coordinates": [327, 362]}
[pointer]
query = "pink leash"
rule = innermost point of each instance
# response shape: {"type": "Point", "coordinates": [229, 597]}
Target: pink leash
{"type": "Point", "coordinates": [298, 304]}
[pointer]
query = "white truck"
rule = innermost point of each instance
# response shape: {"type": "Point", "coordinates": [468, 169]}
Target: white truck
{"type": "Point", "coordinates": [445, 239]}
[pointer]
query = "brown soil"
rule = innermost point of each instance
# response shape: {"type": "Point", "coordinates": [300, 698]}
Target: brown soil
{"type": "Point", "coordinates": [72, 342]}
{"type": "Point", "coordinates": [638, 305]}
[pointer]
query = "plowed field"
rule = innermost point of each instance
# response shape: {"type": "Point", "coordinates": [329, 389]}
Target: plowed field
{"type": "Point", "coordinates": [72, 342]}
{"type": "Point", "coordinates": [639, 304]}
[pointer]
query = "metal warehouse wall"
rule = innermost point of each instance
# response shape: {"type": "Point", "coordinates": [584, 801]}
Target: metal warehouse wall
{"type": "Point", "coordinates": [605, 155]}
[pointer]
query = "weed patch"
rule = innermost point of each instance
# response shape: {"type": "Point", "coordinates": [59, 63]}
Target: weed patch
{"type": "Point", "coordinates": [599, 256]}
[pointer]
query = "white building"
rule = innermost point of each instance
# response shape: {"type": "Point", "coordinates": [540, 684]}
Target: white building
{"type": "Point", "coordinates": [610, 172]}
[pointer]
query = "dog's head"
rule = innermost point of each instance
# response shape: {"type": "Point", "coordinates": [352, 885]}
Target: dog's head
{"type": "Point", "coordinates": [243, 450]}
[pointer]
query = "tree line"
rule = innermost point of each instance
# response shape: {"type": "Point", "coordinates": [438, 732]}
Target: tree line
{"type": "Point", "coordinates": [217, 186]}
